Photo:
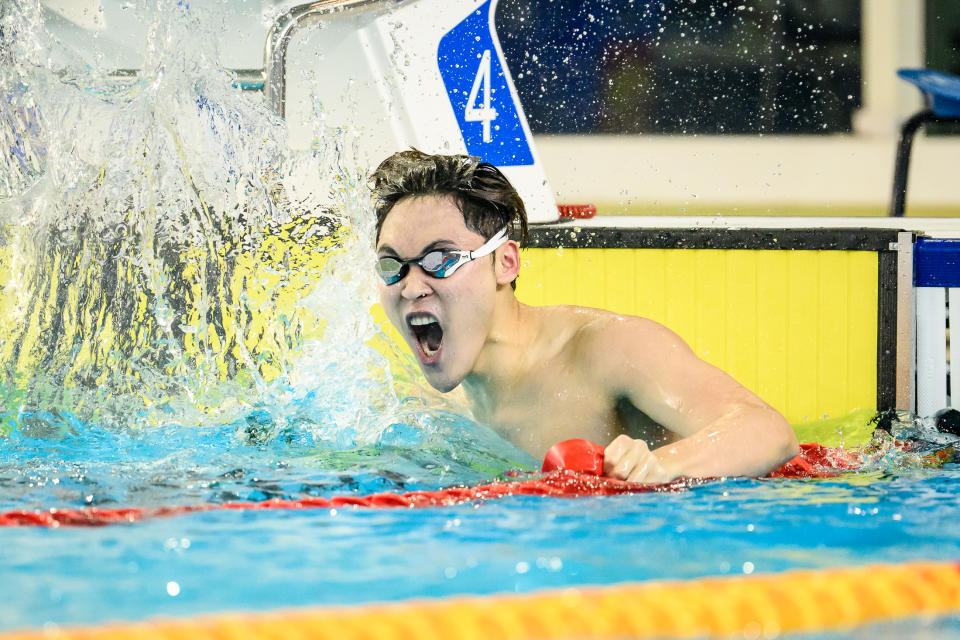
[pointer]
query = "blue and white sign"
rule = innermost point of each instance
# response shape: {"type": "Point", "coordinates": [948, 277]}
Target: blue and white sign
{"type": "Point", "coordinates": [486, 109]}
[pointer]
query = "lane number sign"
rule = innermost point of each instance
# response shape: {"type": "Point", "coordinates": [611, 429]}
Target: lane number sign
{"type": "Point", "coordinates": [485, 107]}
{"type": "Point", "coordinates": [484, 114]}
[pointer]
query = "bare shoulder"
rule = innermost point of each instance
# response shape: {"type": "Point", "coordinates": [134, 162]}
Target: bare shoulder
{"type": "Point", "coordinates": [613, 347]}
{"type": "Point", "coordinates": [609, 331]}
{"type": "Point", "coordinates": [596, 337]}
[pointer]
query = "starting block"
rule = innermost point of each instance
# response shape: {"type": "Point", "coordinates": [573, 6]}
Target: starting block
{"type": "Point", "coordinates": [397, 74]}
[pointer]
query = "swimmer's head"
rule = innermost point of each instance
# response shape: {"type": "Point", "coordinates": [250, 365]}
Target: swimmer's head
{"type": "Point", "coordinates": [442, 256]}
{"type": "Point", "coordinates": [483, 195]}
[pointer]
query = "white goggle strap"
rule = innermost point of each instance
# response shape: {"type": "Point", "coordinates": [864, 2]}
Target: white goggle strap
{"type": "Point", "coordinates": [490, 245]}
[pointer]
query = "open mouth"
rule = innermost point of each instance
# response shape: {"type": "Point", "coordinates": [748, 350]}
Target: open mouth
{"type": "Point", "coordinates": [427, 331]}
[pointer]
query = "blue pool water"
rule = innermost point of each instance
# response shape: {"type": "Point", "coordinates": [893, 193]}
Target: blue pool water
{"type": "Point", "coordinates": [229, 561]}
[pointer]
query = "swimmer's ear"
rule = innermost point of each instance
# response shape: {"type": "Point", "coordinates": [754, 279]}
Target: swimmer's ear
{"type": "Point", "coordinates": [507, 262]}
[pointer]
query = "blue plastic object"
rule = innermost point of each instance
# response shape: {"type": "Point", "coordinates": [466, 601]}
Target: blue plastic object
{"type": "Point", "coordinates": [941, 90]}
{"type": "Point", "coordinates": [936, 262]}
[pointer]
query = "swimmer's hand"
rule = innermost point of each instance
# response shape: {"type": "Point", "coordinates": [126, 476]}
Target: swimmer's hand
{"type": "Point", "coordinates": [631, 460]}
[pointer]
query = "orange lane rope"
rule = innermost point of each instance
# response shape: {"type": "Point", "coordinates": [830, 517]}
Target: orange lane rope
{"type": "Point", "coordinates": [754, 606]}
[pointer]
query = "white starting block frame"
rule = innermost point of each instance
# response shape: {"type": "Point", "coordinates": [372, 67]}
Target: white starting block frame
{"type": "Point", "coordinates": [937, 291]}
{"type": "Point", "coordinates": [397, 74]}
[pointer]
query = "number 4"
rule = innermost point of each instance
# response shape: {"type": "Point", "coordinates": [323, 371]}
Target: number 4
{"type": "Point", "coordinates": [485, 114]}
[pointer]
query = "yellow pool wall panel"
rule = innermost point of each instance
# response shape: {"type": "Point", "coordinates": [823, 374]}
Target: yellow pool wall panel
{"type": "Point", "coordinates": [798, 327]}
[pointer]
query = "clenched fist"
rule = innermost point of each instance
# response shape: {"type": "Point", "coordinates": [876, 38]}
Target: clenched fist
{"type": "Point", "coordinates": [631, 460]}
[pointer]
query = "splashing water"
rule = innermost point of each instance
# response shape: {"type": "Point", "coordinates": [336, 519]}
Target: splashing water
{"type": "Point", "coordinates": [163, 259]}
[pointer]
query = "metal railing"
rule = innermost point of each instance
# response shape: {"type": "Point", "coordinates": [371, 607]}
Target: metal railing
{"type": "Point", "coordinates": [275, 51]}
{"type": "Point", "coordinates": [245, 79]}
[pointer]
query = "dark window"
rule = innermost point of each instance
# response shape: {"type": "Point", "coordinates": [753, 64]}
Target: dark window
{"type": "Point", "coordinates": [943, 46]}
{"type": "Point", "coordinates": [636, 66]}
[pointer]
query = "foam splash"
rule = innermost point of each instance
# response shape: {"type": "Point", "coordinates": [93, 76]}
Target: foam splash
{"type": "Point", "coordinates": [163, 258]}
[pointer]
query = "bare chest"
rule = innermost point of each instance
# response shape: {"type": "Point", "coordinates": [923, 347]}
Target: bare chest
{"type": "Point", "coordinates": [534, 415]}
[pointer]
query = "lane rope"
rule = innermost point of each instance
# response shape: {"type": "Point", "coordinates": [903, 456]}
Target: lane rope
{"type": "Point", "coordinates": [755, 606]}
{"type": "Point", "coordinates": [814, 461]}
{"type": "Point", "coordinates": [556, 483]}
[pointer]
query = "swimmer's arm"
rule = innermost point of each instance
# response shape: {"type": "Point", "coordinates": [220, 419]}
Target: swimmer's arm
{"type": "Point", "coordinates": [724, 428]}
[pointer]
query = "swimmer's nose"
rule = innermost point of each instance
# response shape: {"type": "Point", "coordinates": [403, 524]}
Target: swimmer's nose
{"type": "Point", "coordinates": [416, 284]}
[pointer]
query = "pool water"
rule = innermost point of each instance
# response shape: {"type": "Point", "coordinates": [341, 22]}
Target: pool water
{"type": "Point", "coordinates": [252, 561]}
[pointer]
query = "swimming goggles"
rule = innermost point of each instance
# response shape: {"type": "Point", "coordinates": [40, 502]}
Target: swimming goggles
{"type": "Point", "coordinates": [439, 263]}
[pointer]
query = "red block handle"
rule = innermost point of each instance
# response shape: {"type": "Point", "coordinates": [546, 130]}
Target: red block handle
{"type": "Point", "coordinates": [578, 455]}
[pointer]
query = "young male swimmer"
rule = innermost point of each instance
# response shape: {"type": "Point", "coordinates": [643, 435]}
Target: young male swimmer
{"type": "Point", "coordinates": [449, 229]}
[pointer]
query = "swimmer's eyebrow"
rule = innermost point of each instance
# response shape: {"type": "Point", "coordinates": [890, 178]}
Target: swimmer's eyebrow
{"type": "Point", "coordinates": [387, 250]}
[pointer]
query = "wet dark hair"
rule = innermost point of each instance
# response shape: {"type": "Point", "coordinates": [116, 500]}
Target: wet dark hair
{"type": "Point", "coordinates": [481, 192]}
